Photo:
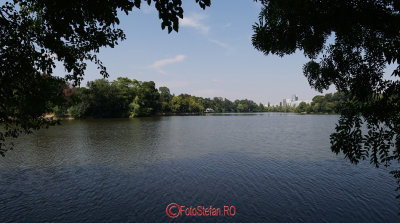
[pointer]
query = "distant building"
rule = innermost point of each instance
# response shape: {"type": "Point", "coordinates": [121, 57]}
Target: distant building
{"type": "Point", "coordinates": [294, 101]}
{"type": "Point", "coordinates": [287, 102]}
{"type": "Point", "coordinates": [209, 110]}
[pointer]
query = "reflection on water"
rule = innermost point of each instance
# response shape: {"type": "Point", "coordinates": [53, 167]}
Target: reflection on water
{"type": "Point", "coordinates": [272, 167]}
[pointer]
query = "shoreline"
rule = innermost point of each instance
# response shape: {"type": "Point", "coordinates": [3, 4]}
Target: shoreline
{"type": "Point", "coordinates": [53, 117]}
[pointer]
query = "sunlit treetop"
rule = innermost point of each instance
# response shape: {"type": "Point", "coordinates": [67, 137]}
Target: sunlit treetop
{"type": "Point", "coordinates": [34, 34]}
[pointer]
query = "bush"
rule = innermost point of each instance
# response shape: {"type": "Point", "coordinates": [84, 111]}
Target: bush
{"type": "Point", "coordinates": [78, 111]}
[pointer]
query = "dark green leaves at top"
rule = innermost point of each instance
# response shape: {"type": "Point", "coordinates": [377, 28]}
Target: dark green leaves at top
{"type": "Point", "coordinates": [36, 33]}
{"type": "Point", "coordinates": [350, 43]}
{"type": "Point", "coordinates": [170, 11]}
{"type": "Point", "coordinates": [364, 39]}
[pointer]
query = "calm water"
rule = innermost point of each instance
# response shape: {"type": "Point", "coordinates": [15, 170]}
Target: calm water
{"type": "Point", "coordinates": [271, 167]}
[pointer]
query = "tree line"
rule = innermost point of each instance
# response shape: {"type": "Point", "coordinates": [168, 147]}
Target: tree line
{"type": "Point", "coordinates": [35, 34]}
{"type": "Point", "coordinates": [328, 103]}
{"type": "Point", "coordinates": [124, 97]}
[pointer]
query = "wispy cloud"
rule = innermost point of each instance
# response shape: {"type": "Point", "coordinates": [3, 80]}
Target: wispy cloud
{"type": "Point", "coordinates": [195, 21]}
{"type": "Point", "coordinates": [221, 44]}
{"type": "Point", "coordinates": [157, 65]}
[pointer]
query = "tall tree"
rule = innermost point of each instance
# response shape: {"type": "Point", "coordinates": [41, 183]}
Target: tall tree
{"type": "Point", "coordinates": [146, 101]}
{"type": "Point", "coordinates": [36, 33]}
{"type": "Point", "coordinates": [165, 98]}
{"type": "Point", "coordinates": [350, 43]}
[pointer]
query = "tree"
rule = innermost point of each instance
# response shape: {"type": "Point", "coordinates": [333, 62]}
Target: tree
{"type": "Point", "coordinates": [127, 89]}
{"type": "Point", "coordinates": [242, 107]}
{"type": "Point", "coordinates": [302, 107]}
{"type": "Point", "coordinates": [23, 101]}
{"type": "Point", "coordinates": [194, 106]}
{"type": "Point", "coordinates": [105, 100]}
{"type": "Point", "coordinates": [260, 108]}
{"type": "Point", "coordinates": [165, 98]}
{"type": "Point", "coordinates": [365, 39]}
{"type": "Point", "coordinates": [36, 33]}
{"type": "Point", "coordinates": [146, 101]}
{"type": "Point", "coordinates": [80, 103]}
{"type": "Point", "coordinates": [178, 104]}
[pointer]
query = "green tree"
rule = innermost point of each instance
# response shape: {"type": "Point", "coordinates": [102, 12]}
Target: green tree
{"type": "Point", "coordinates": [176, 104]}
{"type": "Point", "coordinates": [260, 108]}
{"type": "Point", "coordinates": [165, 99]}
{"type": "Point", "coordinates": [35, 33]}
{"type": "Point", "coordinates": [78, 111]}
{"type": "Point", "coordinates": [180, 104]}
{"type": "Point", "coordinates": [302, 107]}
{"type": "Point", "coordinates": [365, 39]}
{"type": "Point", "coordinates": [59, 111]}
{"type": "Point", "coordinates": [228, 106]}
{"type": "Point", "coordinates": [23, 102]}
{"type": "Point", "coordinates": [194, 106]}
{"type": "Point", "coordinates": [146, 101]}
{"type": "Point", "coordinates": [218, 104]}
{"type": "Point", "coordinates": [329, 107]}
{"type": "Point", "coordinates": [242, 107]}
{"type": "Point", "coordinates": [105, 100]}
{"type": "Point", "coordinates": [127, 91]}
{"type": "Point", "coordinates": [80, 101]}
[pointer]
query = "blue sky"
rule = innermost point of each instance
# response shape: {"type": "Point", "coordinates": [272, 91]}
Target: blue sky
{"type": "Point", "coordinates": [211, 55]}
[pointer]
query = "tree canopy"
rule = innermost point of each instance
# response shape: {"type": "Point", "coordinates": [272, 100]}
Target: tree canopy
{"type": "Point", "coordinates": [124, 98]}
{"type": "Point", "coordinates": [34, 34]}
{"type": "Point", "coordinates": [350, 44]}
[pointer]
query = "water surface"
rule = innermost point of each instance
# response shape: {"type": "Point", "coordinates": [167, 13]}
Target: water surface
{"type": "Point", "coordinates": [271, 167]}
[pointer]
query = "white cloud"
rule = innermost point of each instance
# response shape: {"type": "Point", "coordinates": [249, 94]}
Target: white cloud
{"type": "Point", "coordinates": [157, 65]}
{"type": "Point", "coordinates": [221, 44]}
{"type": "Point", "coordinates": [195, 21]}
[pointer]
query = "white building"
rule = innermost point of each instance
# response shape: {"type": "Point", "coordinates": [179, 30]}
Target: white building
{"type": "Point", "coordinates": [287, 102]}
{"type": "Point", "coordinates": [294, 101]}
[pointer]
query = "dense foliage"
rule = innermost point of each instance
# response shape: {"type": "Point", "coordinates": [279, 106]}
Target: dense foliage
{"type": "Point", "coordinates": [34, 34]}
{"type": "Point", "coordinates": [326, 104]}
{"type": "Point", "coordinates": [365, 38]}
{"type": "Point", "coordinates": [131, 98]}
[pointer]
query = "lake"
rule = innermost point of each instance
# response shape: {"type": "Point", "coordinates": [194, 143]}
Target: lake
{"type": "Point", "coordinates": [270, 167]}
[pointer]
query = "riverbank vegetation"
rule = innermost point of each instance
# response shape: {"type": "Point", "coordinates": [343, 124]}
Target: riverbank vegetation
{"type": "Point", "coordinates": [132, 98]}
{"type": "Point", "coordinates": [328, 103]}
